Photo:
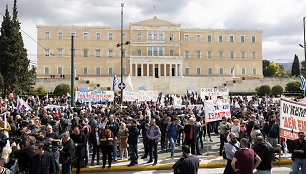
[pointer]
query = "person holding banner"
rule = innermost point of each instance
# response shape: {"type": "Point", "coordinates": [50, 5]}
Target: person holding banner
{"type": "Point", "coordinates": [2, 128]}
{"type": "Point", "coordinates": [299, 154]}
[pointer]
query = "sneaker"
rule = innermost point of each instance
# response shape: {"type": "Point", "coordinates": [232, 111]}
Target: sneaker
{"type": "Point", "coordinates": [154, 163]}
{"type": "Point", "coordinates": [131, 164]}
{"type": "Point", "coordinates": [172, 157]}
{"type": "Point", "coordinates": [211, 140]}
{"type": "Point", "coordinates": [144, 157]}
{"type": "Point", "coordinates": [150, 161]}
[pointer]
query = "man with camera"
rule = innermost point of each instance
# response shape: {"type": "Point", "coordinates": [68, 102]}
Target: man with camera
{"type": "Point", "coordinates": [188, 163]}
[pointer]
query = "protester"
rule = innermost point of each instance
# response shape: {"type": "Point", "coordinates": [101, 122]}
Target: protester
{"type": "Point", "coordinates": [190, 135]}
{"type": "Point", "coordinates": [42, 161]}
{"type": "Point", "coordinates": [114, 127]}
{"type": "Point", "coordinates": [153, 135]}
{"type": "Point", "coordinates": [188, 163]}
{"type": "Point", "coordinates": [173, 129]}
{"type": "Point", "coordinates": [94, 143]}
{"type": "Point", "coordinates": [224, 128]}
{"type": "Point", "coordinates": [123, 140]}
{"type": "Point", "coordinates": [299, 154]}
{"type": "Point", "coordinates": [3, 170]}
{"type": "Point", "coordinates": [245, 159]}
{"type": "Point", "coordinates": [230, 148]}
{"type": "Point", "coordinates": [106, 139]}
{"type": "Point", "coordinates": [67, 153]}
{"type": "Point", "coordinates": [54, 138]}
{"type": "Point", "coordinates": [79, 140]}
{"type": "Point", "coordinates": [133, 134]}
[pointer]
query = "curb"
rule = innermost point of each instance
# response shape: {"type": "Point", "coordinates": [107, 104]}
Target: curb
{"type": "Point", "coordinates": [164, 166]}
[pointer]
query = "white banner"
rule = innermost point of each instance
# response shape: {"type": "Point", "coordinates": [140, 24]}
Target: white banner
{"type": "Point", "coordinates": [216, 109]}
{"type": "Point", "coordinates": [292, 119]}
{"type": "Point", "coordinates": [214, 92]}
{"type": "Point", "coordinates": [130, 96]}
{"type": "Point", "coordinates": [95, 96]}
{"type": "Point", "coordinates": [140, 96]}
{"type": "Point", "coordinates": [177, 100]}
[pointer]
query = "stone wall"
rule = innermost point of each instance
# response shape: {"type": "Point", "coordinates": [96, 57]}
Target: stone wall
{"type": "Point", "coordinates": [169, 85]}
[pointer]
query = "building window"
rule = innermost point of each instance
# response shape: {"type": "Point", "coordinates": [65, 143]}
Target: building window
{"type": "Point", "coordinates": [110, 36]}
{"type": "Point", "coordinates": [110, 53]}
{"type": "Point", "coordinates": [209, 54]}
{"type": "Point", "coordinates": [254, 71]}
{"type": "Point", "coordinates": [186, 37]}
{"type": "Point", "coordinates": [123, 53]}
{"type": "Point", "coordinates": [243, 71]}
{"type": "Point", "coordinates": [231, 38]}
{"type": "Point", "coordinates": [60, 35]}
{"type": "Point", "coordinates": [59, 70]}
{"type": "Point", "coordinates": [253, 54]}
{"type": "Point", "coordinates": [232, 69]}
{"type": "Point", "coordinates": [221, 71]}
{"type": "Point", "coordinates": [60, 52]}
{"type": "Point", "coordinates": [46, 70]}
{"type": "Point", "coordinates": [47, 35]}
{"type": "Point", "coordinates": [161, 36]}
{"type": "Point", "coordinates": [209, 71]}
{"type": "Point", "coordinates": [243, 54]}
{"type": "Point", "coordinates": [98, 70]}
{"type": "Point", "coordinates": [232, 54]}
{"type": "Point", "coordinates": [198, 54]}
{"type": "Point", "coordinates": [150, 35]}
{"type": "Point", "coordinates": [138, 36]}
{"type": "Point", "coordinates": [220, 54]}
{"type": "Point", "coordinates": [98, 53]}
{"type": "Point", "coordinates": [155, 51]}
{"type": "Point", "coordinates": [150, 51]}
{"type": "Point", "coordinates": [186, 71]}
{"type": "Point", "coordinates": [123, 71]}
{"type": "Point", "coordinates": [198, 71]}
{"type": "Point", "coordinates": [110, 70]}
{"type": "Point", "coordinates": [139, 53]}
{"type": "Point", "coordinates": [209, 38]}
{"type": "Point", "coordinates": [186, 54]}
{"type": "Point", "coordinates": [171, 37]}
{"type": "Point", "coordinates": [220, 38]}
{"type": "Point", "coordinates": [123, 36]}
{"type": "Point", "coordinates": [98, 36]}
{"type": "Point", "coordinates": [161, 51]}
{"type": "Point", "coordinates": [85, 70]}
{"type": "Point", "coordinates": [47, 52]}
{"type": "Point", "coordinates": [253, 39]}
{"type": "Point", "coordinates": [85, 36]}
{"type": "Point", "coordinates": [242, 38]}
{"type": "Point", "coordinates": [198, 38]}
{"type": "Point", "coordinates": [155, 35]}
{"type": "Point", "coordinates": [85, 53]}
{"type": "Point", "coordinates": [171, 53]}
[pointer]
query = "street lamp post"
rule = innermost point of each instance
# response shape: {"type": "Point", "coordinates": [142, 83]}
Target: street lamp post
{"type": "Point", "coordinates": [121, 44]}
{"type": "Point", "coordinates": [72, 70]}
{"type": "Point", "coordinates": [304, 39]}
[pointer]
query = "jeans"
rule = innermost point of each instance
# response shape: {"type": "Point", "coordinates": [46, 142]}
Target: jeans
{"type": "Point", "coordinates": [95, 151]}
{"type": "Point", "coordinates": [115, 149]}
{"type": "Point", "coordinates": [153, 150]}
{"type": "Point", "coordinates": [66, 168]}
{"type": "Point", "coordinates": [172, 145]}
{"type": "Point", "coordinates": [297, 163]}
{"type": "Point", "coordinates": [222, 141]}
{"type": "Point", "coordinates": [197, 144]}
{"type": "Point", "coordinates": [134, 153]}
{"type": "Point", "coordinates": [264, 172]}
{"type": "Point", "coordinates": [56, 162]}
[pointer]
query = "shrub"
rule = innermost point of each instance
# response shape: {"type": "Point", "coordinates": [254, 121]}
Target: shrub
{"type": "Point", "coordinates": [293, 87]}
{"type": "Point", "coordinates": [62, 89]}
{"type": "Point", "coordinates": [264, 89]}
{"type": "Point", "coordinates": [40, 90]}
{"type": "Point", "coordinates": [277, 90]}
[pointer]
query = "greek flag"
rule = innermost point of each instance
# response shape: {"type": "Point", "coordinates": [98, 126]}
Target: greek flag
{"type": "Point", "coordinates": [115, 82]}
{"type": "Point", "coordinates": [303, 83]}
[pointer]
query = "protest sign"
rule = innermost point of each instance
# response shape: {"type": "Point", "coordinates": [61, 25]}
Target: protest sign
{"type": "Point", "coordinates": [292, 119]}
{"type": "Point", "coordinates": [216, 109]}
{"type": "Point", "coordinates": [130, 96]}
{"type": "Point", "coordinates": [95, 96]}
{"type": "Point", "coordinates": [214, 92]}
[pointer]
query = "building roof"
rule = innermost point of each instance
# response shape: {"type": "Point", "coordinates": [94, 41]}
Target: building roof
{"type": "Point", "coordinates": [155, 22]}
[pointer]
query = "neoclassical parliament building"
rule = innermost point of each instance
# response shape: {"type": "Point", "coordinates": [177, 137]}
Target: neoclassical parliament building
{"type": "Point", "coordinates": [152, 48]}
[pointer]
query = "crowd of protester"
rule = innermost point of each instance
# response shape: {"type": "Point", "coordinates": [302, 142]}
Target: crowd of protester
{"type": "Point", "coordinates": [47, 140]}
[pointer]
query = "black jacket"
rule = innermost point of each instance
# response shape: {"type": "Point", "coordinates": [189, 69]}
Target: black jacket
{"type": "Point", "coordinates": [68, 153]}
{"type": "Point", "coordinates": [42, 164]}
{"type": "Point", "coordinates": [23, 155]}
{"type": "Point", "coordinates": [92, 140]}
{"type": "Point", "coordinates": [80, 140]}
{"type": "Point", "coordinates": [133, 135]}
{"type": "Point", "coordinates": [187, 129]}
{"type": "Point", "coordinates": [264, 151]}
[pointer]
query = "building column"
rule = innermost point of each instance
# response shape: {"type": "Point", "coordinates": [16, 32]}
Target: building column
{"type": "Point", "coordinates": [181, 69]}
{"type": "Point", "coordinates": [165, 70]}
{"type": "Point", "coordinates": [135, 69]}
{"type": "Point", "coordinates": [177, 70]}
{"type": "Point", "coordinates": [159, 70]}
{"type": "Point", "coordinates": [148, 66]}
{"type": "Point", "coordinates": [131, 68]}
{"type": "Point", "coordinates": [154, 74]}
{"type": "Point", "coordinates": [141, 70]}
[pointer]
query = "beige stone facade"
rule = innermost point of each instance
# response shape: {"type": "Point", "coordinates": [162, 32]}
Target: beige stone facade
{"type": "Point", "coordinates": [156, 48]}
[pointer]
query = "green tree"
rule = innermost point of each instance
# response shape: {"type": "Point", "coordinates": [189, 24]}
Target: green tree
{"type": "Point", "coordinates": [265, 65]}
{"type": "Point", "coordinates": [272, 69]}
{"type": "Point", "coordinates": [40, 90]}
{"type": "Point", "coordinates": [293, 87]}
{"type": "Point", "coordinates": [277, 90]}
{"type": "Point", "coordinates": [295, 71]}
{"type": "Point", "coordinates": [303, 68]}
{"type": "Point", "coordinates": [14, 64]}
{"type": "Point", "coordinates": [264, 90]}
{"type": "Point", "coordinates": [62, 89]}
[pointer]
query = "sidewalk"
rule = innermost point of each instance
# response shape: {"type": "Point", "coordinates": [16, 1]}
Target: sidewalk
{"type": "Point", "coordinates": [167, 163]}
